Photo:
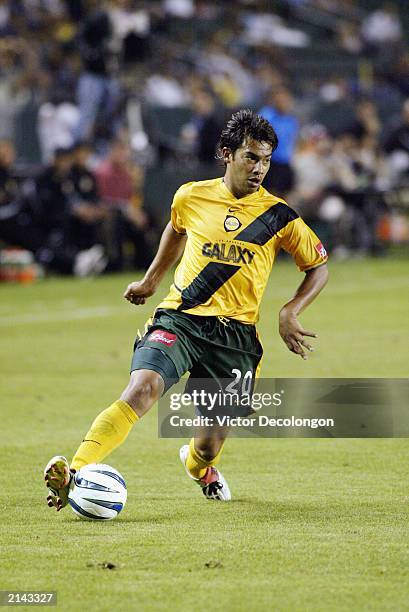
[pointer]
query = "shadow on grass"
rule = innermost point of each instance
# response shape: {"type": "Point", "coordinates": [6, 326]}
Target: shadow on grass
{"type": "Point", "coordinates": [151, 519]}
{"type": "Point", "coordinates": [261, 511]}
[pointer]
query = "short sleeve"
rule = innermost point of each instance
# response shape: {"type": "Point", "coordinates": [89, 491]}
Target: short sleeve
{"type": "Point", "coordinates": [303, 245]}
{"type": "Point", "coordinates": [178, 209]}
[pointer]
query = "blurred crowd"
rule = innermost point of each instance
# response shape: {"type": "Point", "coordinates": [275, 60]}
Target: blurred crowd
{"type": "Point", "coordinates": [75, 216]}
{"type": "Point", "coordinates": [93, 94]}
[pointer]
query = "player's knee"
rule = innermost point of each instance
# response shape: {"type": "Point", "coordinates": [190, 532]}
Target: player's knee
{"type": "Point", "coordinates": [143, 390]}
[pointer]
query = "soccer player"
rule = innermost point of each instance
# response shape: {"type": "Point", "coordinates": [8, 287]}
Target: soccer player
{"type": "Point", "coordinates": [229, 231]}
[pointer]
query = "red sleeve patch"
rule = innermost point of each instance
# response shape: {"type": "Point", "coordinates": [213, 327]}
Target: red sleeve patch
{"type": "Point", "coordinates": [321, 250]}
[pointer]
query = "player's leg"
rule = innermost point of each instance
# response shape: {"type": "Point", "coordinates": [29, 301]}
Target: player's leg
{"type": "Point", "coordinates": [156, 365]}
{"type": "Point", "coordinates": [232, 358]}
{"type": "Point", "coordinates": [113, 425]}
{"type": "Point", "coordinates": [108, 431]}
{"type": "Point", "coordinates": [201, 456]}
{"type": "Point", "coordinates": [205, 450]}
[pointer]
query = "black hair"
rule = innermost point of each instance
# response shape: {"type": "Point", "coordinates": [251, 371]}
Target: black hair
{"type": "Point", "coordinates": [82, 144]}
{"type": "Point", "coordinates": [62, 151]}
{"type": "Point", "coordinates": [246, 124]}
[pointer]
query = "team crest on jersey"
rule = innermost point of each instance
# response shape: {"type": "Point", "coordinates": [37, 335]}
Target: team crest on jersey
{"type": "Point", "coordinates": [163, 337]}
{"type": "Point", "coordinates": [321, 250]}
{"type": "Point", "coordinates": [231, 224]}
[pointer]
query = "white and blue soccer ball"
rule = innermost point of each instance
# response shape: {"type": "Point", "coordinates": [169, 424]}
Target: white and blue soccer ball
{"type": "Point", "coordinates": [98, 492]}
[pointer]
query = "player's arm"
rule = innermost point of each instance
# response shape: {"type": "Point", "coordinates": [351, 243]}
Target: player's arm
{"type": "Point", "coordinates": [290, 328]}
{"type": "Point", "coordinates": [170, 249]}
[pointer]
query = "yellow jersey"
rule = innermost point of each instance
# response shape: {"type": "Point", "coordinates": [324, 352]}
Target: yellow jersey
{"type": "Point", "coordinates": [231, 247]}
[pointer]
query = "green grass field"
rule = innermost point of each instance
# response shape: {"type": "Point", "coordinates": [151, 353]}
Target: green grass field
{"type": "Point", "coordinates": [314, 525]}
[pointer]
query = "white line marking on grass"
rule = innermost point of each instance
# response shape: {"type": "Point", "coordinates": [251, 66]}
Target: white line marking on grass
{"type": "Point", "coordinates": [73, 315]}
{"type": "Point", "coordinates": [77, 314]}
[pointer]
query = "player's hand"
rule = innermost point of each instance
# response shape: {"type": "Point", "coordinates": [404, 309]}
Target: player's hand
{"type": "Point", "coordinates": [137, 292]}
{"type": "Point", "coordinates": [293, 334]}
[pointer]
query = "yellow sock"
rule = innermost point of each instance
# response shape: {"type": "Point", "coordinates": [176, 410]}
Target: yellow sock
{"type": "Point", "coordinates": [196, 465]}
{"type": "Point", "coordinates": [109, 430]}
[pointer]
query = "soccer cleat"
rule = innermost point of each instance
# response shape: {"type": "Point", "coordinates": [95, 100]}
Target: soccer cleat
{"type": "Point", "coordinates": [58, 478]}
{"type": "Point", "coordinates": [213, 483]}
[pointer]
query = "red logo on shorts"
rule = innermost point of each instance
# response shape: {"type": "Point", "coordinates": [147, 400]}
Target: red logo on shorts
{"type": "Point", "coordinates": [163, 336]}
{"type": "Point", "coordinates": [321, 250]}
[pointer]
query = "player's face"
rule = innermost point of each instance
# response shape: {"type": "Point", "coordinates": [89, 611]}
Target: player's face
{"type": "Point", "coordinates": [247, 166]}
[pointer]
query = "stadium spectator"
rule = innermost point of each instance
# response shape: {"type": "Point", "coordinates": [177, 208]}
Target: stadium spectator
{"type": "Point", "coordinates": [55, 125]}
{"type": "Point", "coordinates": [184, 9]}
{"type": "Point", "coordinates": [354, 170]}
{"type": "Point", "coordinates": [398, 140]}
{"type": "Point", "coordinates": [6, 26]}
{"type": "Point", "coordinates": [268, 78]}
{"type": "Point", "coordinates": [87, 213]}
{"type": "Point", "coordinates": [263, 27]}
{"type": "Point", "coordinates": [366, 121]}
{"type": "Point", "coordinates": [312, 169]}
{"type": "Point", "coordinates": [55, 212]}
{"type": "Point", "coordinates": [54, 191]}
{"type": "Point", "coordinates": [204, 128]}
{"type": "Point", "coordinates": [313, 195]}
{"type": "Point", "coordinates": [349, 37]}
{"type": "Point", "coordinates": [382, 27]}
{"type": "Point", "coordinates": [98, 92]}
{"type": "Point", "coordinates": [75, 70]}
{"type": "Point", "coordinates": [120, 184]}
{"type": "Point", "coordinates": [8, 185]}
{"type": "Point", "coordinates": [40, 221]}
{"type": "Point", "coordinates": [64, 64]}
{"type": "Point", "coordinates": [208, 11]}
{"type": "Point", "coordinates": [20, 79]}
{"type": "Point", "coordinates": [131, 28]}
{"type": "Point", "coordinates": [279, 112]}
{"type": "Point", "coordinates": [221, 66]}
{"type": "Point", "coordinates": [399, 76]}
{"type": "Point", "coordinates": [76, 9]}
{"type": "Point", "coordinates": [12, 223]}
{"type": "Point", "coordinates": [340, 183]}
{"type": "Point", "coordinates": [164, 89]}
{"type": "Point", "coordinates": [397, 146]}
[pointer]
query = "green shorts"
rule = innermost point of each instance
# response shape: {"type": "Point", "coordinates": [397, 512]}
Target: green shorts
{"type": "Point", "coordinates": [207, 347]}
